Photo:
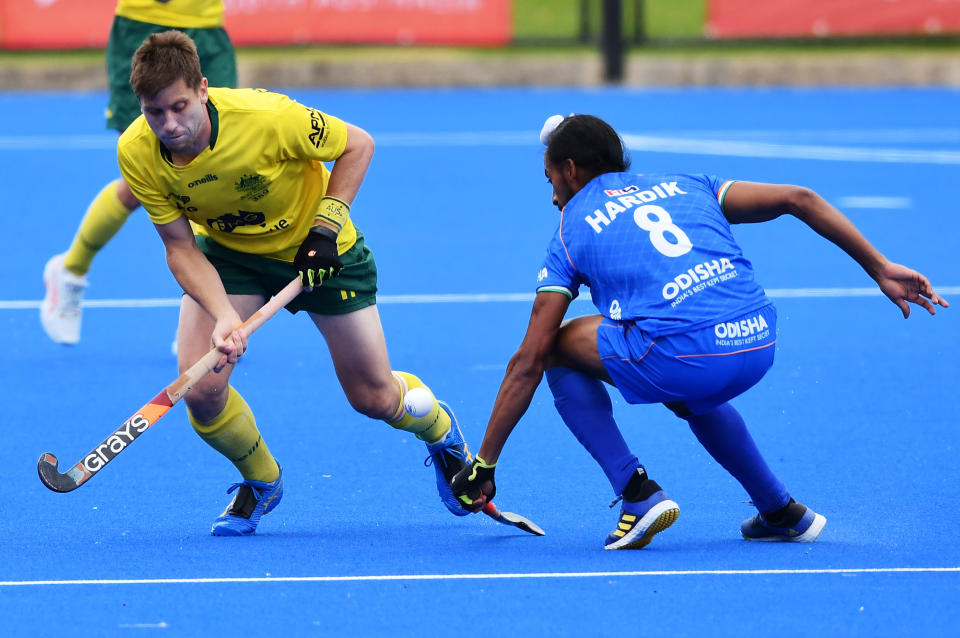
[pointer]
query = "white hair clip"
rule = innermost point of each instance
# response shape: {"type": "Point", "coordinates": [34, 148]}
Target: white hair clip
{"type": "Point", "coordinates": [549, 127]}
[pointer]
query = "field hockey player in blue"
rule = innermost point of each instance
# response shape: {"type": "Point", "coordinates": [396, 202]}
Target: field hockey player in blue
{"type": "Point", "coordinates": [682, 322]}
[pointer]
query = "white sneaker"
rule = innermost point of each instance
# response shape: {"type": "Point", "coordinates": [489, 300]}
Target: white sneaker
{"type": "Point", "coordinates": [60, 309]}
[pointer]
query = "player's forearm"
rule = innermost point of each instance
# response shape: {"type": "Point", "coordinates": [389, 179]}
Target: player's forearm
{"type": "Point", "coordinates": [513, 399]}
{"type": "Point", "coordinates": [828, 222]}
{"type": "Point", "coordinates": [199, 279]}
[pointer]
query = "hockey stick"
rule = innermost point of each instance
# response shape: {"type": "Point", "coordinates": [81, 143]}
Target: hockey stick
{"type": "Point", "coordinates": [150, 413]}
{"type": "Point", "coordinates": [509, 518]}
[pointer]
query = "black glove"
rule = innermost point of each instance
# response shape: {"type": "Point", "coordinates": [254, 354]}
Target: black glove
{"type": "Point", "coordinates": [474, 486]}
{"type": "Point", "coordinates": [317, 259]}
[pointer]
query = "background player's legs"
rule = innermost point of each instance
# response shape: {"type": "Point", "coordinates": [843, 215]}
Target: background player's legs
{"type": "Point", "coordinates": [64, 274]}
{"type": "Point", "coordinates": [105, 216]}
{"type": "Point", "coordinates": [359, 352]}
{"type": "Point", "coordinates": [219, 414]}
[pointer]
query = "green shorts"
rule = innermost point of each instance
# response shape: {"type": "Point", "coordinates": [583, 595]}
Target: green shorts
{"type": "Point", "coordinates": [217, 60]}
{"type": "Point", "coordinates": [243, 274]}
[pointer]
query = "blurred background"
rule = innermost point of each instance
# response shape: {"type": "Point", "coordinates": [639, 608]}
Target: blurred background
{"type": "Point", "coordinates": [855, 98]}
{"type": "Point", "coordinates": [58, 43]}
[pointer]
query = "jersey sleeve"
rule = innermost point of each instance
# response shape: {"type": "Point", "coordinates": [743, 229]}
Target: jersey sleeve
{"type": "Point", "coordinates": [557, 274]}
{"type": "Point", "coordinates": [160, 209]}
{"type": "Point", "coordinates": [306, 133]}
{"type": "Point", "coordinates": [717, 185]}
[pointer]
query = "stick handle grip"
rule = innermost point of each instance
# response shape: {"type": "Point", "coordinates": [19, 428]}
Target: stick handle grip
{"type": "Point", "coordinates": [197, 371]}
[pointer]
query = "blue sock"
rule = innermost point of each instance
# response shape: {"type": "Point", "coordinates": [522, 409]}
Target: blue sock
{"type": "Point", "coordinates": [725, 436]}
{"type": "Point", "coordinates": [584, 406]}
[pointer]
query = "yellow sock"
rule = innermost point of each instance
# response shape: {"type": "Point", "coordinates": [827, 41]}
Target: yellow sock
{"type": "Point", "coordinates": [234, 434]}
{"type": "Point", "coordinates": [104, 217]}
{"type": "Point", "coordinates": [430, 428]}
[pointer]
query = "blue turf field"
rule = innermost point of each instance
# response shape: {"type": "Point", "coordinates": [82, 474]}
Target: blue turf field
{"type": "Point", "coordinates": [858, 416]}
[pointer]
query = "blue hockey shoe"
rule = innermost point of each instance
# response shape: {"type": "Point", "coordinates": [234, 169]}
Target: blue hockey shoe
{"type": "Point", "coordinates": [806, 529]}
{"type": "Point", "coordinates": [448, 456]}
{"type": "Point", "coordinates": [640, 520]}
{"type": "Point", "coordinates": [253, 500]}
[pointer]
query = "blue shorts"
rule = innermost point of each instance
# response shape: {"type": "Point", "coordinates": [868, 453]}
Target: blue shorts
{"type": "Point", "coordinates": [704, 368]}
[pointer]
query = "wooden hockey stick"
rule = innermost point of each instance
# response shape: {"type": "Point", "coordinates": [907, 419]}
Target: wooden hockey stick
{"type": "Point", "coordinates": [150, 413]}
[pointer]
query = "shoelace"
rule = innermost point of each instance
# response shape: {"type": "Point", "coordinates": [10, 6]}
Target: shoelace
{"type": "Point", "coordinates": [233, 488]}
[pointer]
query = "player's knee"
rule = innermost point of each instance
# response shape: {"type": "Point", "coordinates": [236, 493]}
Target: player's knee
{"type": "Point", "coordinates": [373, 403]}
{"type": "Point", "coordinates": [206, 401]}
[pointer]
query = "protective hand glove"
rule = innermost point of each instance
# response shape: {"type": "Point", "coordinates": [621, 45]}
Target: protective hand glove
{"type": "Point", "coordinates": [317, 259]}
{"type": "Point", "coordinates": [474, 486]}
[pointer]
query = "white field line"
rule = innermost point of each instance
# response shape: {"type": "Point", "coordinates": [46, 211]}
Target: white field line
{"type": "Point", "coordinates": [493, 576]}
{"type": "Point", "coordinates": [646, 143]}
{"type": "Point", "coordinates": [875, 202]}
{"type": "Point", "coordinates": [774, 293]}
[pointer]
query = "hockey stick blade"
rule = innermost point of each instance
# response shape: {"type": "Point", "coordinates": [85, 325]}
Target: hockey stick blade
{"type": "Point", "coordinates": [515, 520]}
{"type": "Point", "coordinates": [51, 476]}
{"type": "Point", "coordinates": [149, 414]}
{"type": "Point", "coordinates": [123, 436]}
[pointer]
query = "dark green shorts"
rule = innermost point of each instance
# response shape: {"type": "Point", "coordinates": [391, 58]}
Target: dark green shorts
{"type": "Point", "coordinates": [242, 274]}
{"type": "Point", "coordinates": [217, 60]}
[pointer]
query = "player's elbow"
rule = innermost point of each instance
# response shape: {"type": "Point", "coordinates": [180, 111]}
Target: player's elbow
{"type": "Point", "coordinates": [527, 363]}
{"type": "Point", "coordinates": [799, 201]}
{"type": "Point", "coordinates": [361, 143]}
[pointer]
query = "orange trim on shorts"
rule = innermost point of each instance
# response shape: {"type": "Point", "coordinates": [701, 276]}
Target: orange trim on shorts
{"type": "Point", "coordinates": [633, 360]}
{"type": "Point", "coordinates": [724, 354]}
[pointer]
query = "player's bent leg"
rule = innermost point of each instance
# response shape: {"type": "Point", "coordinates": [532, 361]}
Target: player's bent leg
{"type": "Point", "coordinates": [359, 354]}
{"type": "Point", "coordinates": [586, 410]}
{"type": "Point", "coordinates": [221, 417]}
{"type": "Point", "coordinates": [724, 434]}
{"type": "Point", "coordinates": [646, 511]}
{"type": "Point", "coordinates": [234, 434]}
{"type": "Point", "coordinates": [434, 423]}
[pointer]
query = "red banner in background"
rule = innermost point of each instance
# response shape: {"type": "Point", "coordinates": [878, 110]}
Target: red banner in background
{"type": "Point", "coordinates": [822, 18]}
{"type": "Point", "coordinates": [454, 22]}
{"type": "Point", "coordinates": [55, 24]}
{"type": "Point", "coordinates": [66, 24]}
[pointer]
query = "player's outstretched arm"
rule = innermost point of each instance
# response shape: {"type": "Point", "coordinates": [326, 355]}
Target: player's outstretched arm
{"type": "Point", "coordinates": [751, 202]}
{"type": "Point", "coordinates": [524, 372]}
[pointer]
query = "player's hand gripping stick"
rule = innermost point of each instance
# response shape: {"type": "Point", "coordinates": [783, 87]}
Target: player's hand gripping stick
{"type": "Point", "coordinates": [475, 488]}
{"type": "Point", "coordinates": [150, 413]}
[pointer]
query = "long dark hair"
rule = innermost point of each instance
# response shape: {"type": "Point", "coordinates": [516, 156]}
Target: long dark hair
{"type": "Point", "coordinates": [590, 142]}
